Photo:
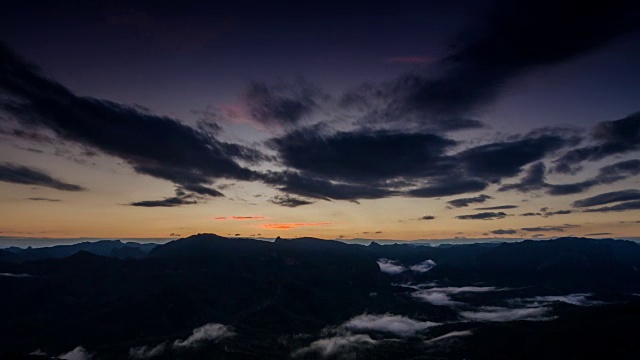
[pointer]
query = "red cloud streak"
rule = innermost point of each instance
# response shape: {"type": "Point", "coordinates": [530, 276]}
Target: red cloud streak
{"type": "Point", "coordinates": [287, 226]}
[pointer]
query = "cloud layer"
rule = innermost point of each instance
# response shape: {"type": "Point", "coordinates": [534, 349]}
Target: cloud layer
{"type": "Point", "coordinates": [79, 353]}
{"type": "Point", "coordinates": [423, 266]}
{"type": "Point", "coordinates": [207, 332]}
{"type": "Point", "coordinates": [441, 296]}
{"type": "Point", "coordinates": [501, 314]}
{"type": "Point", "coordinates": [391, 266]}
{"type": "Point", "coordinates": [395, 324]}
{"type": "Point", "coordinates": [336, 345]}
{"type": "Point", "coordinates": [147, 352]}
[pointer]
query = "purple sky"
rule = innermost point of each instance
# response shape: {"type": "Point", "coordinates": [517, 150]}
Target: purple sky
{"type": "Point", "coordinates": [435, 120]}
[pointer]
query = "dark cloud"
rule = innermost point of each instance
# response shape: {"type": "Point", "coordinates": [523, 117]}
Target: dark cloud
{"type": "Point", "coordinates": [625, 206]}
{"type": "Point", "coordinates": [427, 217]}
{"type": "Point", "coordinates": [368, 165]}
{"type": "Point", "coordinates": [558, 212]}
{"type": "Point", "coordinates": [364, 156]}
{"type": "Point", "coordinates": [448, 187]}
{"type": "Point", "coordinates": [556, 228]}
{"type": "Point", "coordinates": [505, 159]}
{"type": "Point", "coordinates": [504, 232]}
{"type": "Point", "coordinates": [619, 171]}
{"type": "Point", "coordinates": [500, 207]}
{"type": "Point", "coordinates": [43, 199]}
{"type": "Point", "coordinates": [289, 201]}
{"type": "Point", "coordinates": [483, 216]}
{"type": "Point", "coordinates": [155, 145]}
{"type": "Point", "coordinates": [202, 190]}
{"type": "Point", "coordinates": [208, 120]}
{"type": "Point", "coordinates": [466, 201]}
{"type": "Point", "coordinates": [413, 164]}
{"type": "Point", "coordinates": [185, 195]}
{"type": "Point", "coordinates": [606, 175]}
{"type": "Point", "coordinates": [517, 38]}
{"type": "Point", "coordinates": [319, 188]}
{"type": "Point", "coordinates": [166, 202]}
{"type": "Point", "coordinates": [535, 179]}
{"type": "Point", "coordinates": [520, 36]}
{"type": "Point", "coordinates": [607, 198]}
{"type": "Point", "coordinates": [599, 234]}
{"type": "Point", "coordinates": [385, 104]}
{"type": "Point", "coordinates": [611, 138]}
{"type": "Point", "coordinates": [284, 103]}
{"type": "Point", "coordinates": [531, 214]}
{"type": "Point", "coordinates": [18, 174]}
{"type": "Point", "coordinates": [28, 135]}
{"type": "Point", "coordinates": [180, 199]}
{"type": "Point", "coordinates": [545, 213]}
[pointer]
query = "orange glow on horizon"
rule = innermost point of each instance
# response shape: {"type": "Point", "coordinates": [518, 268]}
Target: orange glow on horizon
{"type": "Point", "coordinates": [287, 226]}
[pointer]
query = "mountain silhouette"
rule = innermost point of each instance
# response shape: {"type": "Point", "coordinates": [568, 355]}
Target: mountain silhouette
{"type": "Point", "coordinates": [282, 295]}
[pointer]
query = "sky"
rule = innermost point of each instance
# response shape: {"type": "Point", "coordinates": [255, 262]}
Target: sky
{"type": "Point", "coordinates": [340, 120]}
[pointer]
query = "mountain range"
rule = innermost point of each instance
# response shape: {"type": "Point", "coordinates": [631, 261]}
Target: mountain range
{"type": "Point", "coordinates": [234, 298]}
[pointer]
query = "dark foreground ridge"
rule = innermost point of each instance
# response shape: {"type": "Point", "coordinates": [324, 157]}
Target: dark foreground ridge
{"type": "Point", "coordinates": [228, 298]}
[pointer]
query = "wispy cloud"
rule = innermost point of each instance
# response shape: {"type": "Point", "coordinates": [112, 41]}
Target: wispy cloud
{"type": "Point", "coordinates": [500, 207]}
{"type": "Point", "coordinates": [79, 353]}
{"type": "Point", "coordinates": [43, 199]}
{"type": "Point", "coordinates": [205, 333]}
{"type": "Point", "coordinates": [16, 275]}
{"type": "Point", "coordinates": [208, 332]}
{"type": "Point", "coordinates": [180, 199]}
{"type": "Point", "coordinates": [289, 201]}
{"type": "Point", "coordinates": [391, 266]}
{"type": "Point", "coordinates": [465, 289]}
{"type": "Point", "coordinates": [610, 197]}
{"type": "Point", "coordinates": [284, 103]}
{"type": "Point", "coordinates": [534, 179]}
{"type": "Point", "coordinates": [608, 138]}
{"type": "Point", "coordinates": [441, 295]}
{"type": "Point", "coordinates": [417, 286]}
{"type": "Point", "coordinates": [423, 266]}
{"type": "Point", "coordinates": [336, 345]}
{"type": "Point", "coordinates": [579, 299]}
{"type": "Point", "coordinates": [147, 352]}
{"type": "Point", "coordinates": [286, 226]}
{"type": "Point", "coordinates": [501, 314]}
{"type": "Point", "coordinates": [625, 206]}
{"type": "Point", "coordinates": [464, 202]}
{"type": "Point", "coordinates": [450, 335]}
{"type": "Point", "coordinates": [435, 298]}
{"type": "Point", "coordinates": [395, 324]}
{"type": "Point", "coordinates": [555, 228]}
